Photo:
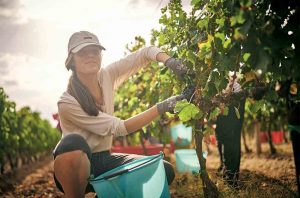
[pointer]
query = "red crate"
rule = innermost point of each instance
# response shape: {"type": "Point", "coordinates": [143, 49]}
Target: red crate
{"type": "Point", "coordinates": [277, 137]}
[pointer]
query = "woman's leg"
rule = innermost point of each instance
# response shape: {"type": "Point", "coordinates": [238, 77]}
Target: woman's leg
{"type": "Point", "coordinates": [72, 165]}
{"type": "Point", "coordinates": [72, 171]}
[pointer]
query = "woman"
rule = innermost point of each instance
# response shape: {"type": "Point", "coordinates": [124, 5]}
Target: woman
{"type": "Point", "coordinates": [86, 109]}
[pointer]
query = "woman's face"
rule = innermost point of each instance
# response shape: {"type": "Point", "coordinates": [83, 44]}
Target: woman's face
{"type": "Point", "coordinates": [88, 60]}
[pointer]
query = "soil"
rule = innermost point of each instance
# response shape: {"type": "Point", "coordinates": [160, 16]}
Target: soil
{"type": "Point", "coordinates": [261, 176]}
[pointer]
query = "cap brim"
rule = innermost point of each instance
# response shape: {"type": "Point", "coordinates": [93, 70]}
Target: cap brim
{"type": "Point", "coordinates": [79, 47]}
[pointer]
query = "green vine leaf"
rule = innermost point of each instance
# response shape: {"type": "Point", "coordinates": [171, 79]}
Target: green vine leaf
{"type": "Point", "coordinates": [246, 56]}
{"type": "Point", "coordinates": [214, 114]}
{"type": "Point", "coordinates": [187, 111]}
{"type": "Point", "coordinates": [208, 130]}
{"type": "Point", "coordinates": [258, 105]}
{"type": "Point", "coordinates": [225, 111]}
{"type": "Point", "coordinates": [220, 22]}
{"type": "Point", "coordinates": [194, 2]}
{"type": "Point", "coordinates": [203, 23]}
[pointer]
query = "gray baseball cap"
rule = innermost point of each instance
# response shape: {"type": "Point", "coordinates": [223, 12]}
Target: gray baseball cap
{"type": "Point", "coordinates": [79, 40]}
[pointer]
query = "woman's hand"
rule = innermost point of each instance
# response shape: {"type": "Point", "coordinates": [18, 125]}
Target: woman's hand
{"type": "Point", "coordinates": [176, 66]}
{"type": "Point", "coordinates": [168, 105]}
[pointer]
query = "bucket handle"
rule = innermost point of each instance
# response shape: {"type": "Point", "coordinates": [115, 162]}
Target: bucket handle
{"type": "Point", "coordinates": [125, 170]}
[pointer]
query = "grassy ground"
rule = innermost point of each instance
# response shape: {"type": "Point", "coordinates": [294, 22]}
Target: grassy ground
{"type": "Point", "coordinates": [261, 176]}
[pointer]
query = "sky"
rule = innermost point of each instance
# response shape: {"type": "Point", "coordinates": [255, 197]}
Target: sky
{"type": "Point", "coordinates": [34, 35]}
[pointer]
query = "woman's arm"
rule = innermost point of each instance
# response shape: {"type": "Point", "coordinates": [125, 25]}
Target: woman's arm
{"type": "Point", "coordinates": [71, 114]}
{"type": "Point", "coordinates": [162, 57]}
{"type": "Point", "coordinates": [137, 122]}
{"type": "Point", "coordinates": [121, 70]}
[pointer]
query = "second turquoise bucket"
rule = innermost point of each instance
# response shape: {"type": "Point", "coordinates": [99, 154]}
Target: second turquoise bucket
{"type": "Point", "coordinates": [187, 160]}
{"type": "Point", "coordinates": [142, 178]}
{"type": "Point", "coordinates": [181, 135]}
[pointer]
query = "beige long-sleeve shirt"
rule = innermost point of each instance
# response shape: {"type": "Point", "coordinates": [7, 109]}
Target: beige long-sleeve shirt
{"type": "Point", "coordinates": [99, 130]}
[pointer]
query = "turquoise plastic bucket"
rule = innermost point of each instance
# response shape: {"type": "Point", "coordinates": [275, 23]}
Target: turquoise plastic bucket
{"type": "Point", "coordinates": [181, 135]}
{"type": "Point", "coordinates": [144, 177]}
{"type": "Point", "coordinates": [187, 160]}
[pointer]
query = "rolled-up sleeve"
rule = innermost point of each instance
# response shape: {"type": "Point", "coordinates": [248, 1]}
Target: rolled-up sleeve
{"type": "Point", "coordinates": [121, 70]}
{"type": "Point", "coordinates": [103, 124]}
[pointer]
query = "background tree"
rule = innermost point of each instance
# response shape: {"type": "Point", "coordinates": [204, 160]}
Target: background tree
{"type": "Point", "coordinates": [217, 37]}
{"type": "Point", "coordinates": [24, 134]}
{"type": "Point", "coordinates": [243, 37]}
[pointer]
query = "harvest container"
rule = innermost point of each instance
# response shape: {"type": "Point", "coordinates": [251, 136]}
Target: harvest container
{"type": "Point", "coordinates": [187, 160]}
{"type": "Point", "coordinates": [181, 135]}
{"type": "Point", "coordinates": [144, 177]}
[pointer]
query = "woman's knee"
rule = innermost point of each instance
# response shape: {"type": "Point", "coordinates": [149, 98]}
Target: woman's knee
{"type": "Point", "coordinates": [72, 142]}
{"type": "Point", "coordinates": [71, 160]}
{"type": "Point", "coordinates": [71, 171]}
{"type": "Point", "coordinates": [170, 173]}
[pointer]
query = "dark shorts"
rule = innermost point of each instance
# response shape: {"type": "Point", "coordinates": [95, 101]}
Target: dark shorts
{"type": "Point", "coordinates": [101, 162]}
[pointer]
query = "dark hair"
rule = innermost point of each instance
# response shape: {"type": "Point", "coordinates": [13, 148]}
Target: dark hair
{"type": "Point", "coordinates": [82, 94]}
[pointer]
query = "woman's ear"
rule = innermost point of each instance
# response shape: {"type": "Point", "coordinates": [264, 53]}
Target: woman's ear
{"type": "Point", "coordinates": [72, 64]}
